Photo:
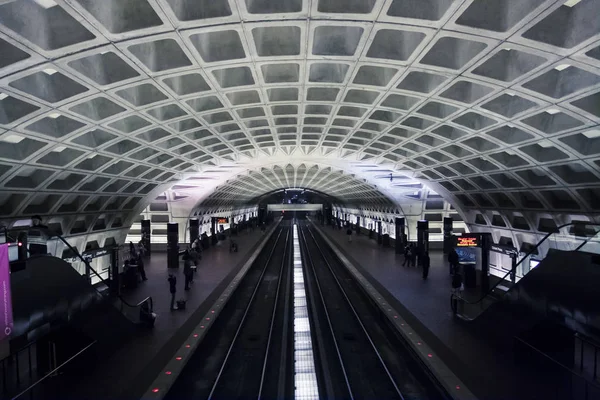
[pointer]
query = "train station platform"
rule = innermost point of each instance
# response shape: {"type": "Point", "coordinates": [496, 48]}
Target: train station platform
{"type": "Point", "coordinates": [474, 353]}
{"type": "Point", "coordinates": [131, 369]}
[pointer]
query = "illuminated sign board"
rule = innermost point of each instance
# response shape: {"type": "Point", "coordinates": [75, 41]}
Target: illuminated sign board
{"type": "Point", "coordinates": [222, 220]}
{"type": "Point", "coordinates": [467, 241]}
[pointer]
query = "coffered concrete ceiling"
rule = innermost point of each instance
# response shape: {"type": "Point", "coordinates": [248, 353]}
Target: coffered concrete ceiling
{"type": "Point", "coordinates": [493, 103]}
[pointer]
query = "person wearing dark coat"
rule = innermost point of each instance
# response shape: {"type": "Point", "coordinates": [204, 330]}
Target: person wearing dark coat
{"type": "Point", "coordinates": [426, 262]}
{"type": "Point", "coordinates": [140, 264]}
{"type": "Point", "coordinates": [188, 272]}
{"type": "Point", "coordinates": [453, 261]}
{"type": "Point", "coordinates": [173, 289]}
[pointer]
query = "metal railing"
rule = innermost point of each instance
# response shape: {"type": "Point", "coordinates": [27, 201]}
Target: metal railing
{"type": "Point", "coordinates": [54, 372]}
{"type": "Point", "coordinates": [468, 310]}
{"type": "Point", "coordinates": [579, 386]}
{"type": "Point", "coordinates": [129, 310]}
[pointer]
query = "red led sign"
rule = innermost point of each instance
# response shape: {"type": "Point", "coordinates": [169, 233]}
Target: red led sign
{"type": "Point", "coordinates": [467, 241]}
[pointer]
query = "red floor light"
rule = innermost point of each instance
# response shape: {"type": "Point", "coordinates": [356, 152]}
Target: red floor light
{"type": "Point", "coordinates": [195, 335]}
{"type": "Point", "coordinates": [419, 343]}
{"type": "Point", "coordinates": [178, 358]}
{"type": "Point", "coordinates": [213, 311]}
{"type": "Point", "coordinates": [395, 316]}
{"type": "Point", "coordinates": [155, 390]}
{"type": "Point", "coordinates": [457, 387]}
{"type": "Point", "coordinates": [430, 355]}
{"type": "Point", "coordinates": [187, 346]}
{"type": "Point", "coordinates": [168, 373]}
{"type": "Point", "coordinates": [201, 326]}
{"type": "Point", "coordinates": [208, 318]}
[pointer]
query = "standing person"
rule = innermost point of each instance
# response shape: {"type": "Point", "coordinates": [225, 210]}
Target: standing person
{"type": "Point", "coordinates": [140, 264]}
{"type": "Point", "coordinates": [413, 256]}
{"type": "Point", "coordinates": [132, 251]}
{"type": "Point", "coordinates": [407, 255]}
{"type": "Point", "coordinates": [173, 289]}
{"type": "Point", "coordinates": [426, 261]}
{"type": "Point", "coordinates": [453, 261]}
{"type": "Point", "coordinates": [349, 233]}
{"type": "Point", "coordinates": [187, 271]}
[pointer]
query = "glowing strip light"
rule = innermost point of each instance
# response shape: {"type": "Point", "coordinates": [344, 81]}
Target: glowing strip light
{"type": "Point", "coordinates": [304, 365]}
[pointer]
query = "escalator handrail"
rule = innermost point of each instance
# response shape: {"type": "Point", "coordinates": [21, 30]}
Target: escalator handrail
{"type": "Point", "coordinates": [88, 265]}
{"type": "Point", "coordinates": [514, 269]}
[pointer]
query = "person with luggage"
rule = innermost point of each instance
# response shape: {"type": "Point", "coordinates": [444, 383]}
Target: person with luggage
{"type": "Point", "coordinates": [172, 289]}
{"type": "Point", "coordinates": [187, 270]}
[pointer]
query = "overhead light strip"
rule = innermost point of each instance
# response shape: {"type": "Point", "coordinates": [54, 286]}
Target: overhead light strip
{"type": "Point", "coordinates": [305, 377]}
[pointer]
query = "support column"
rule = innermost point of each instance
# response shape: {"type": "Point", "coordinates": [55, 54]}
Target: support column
{"type": "Point", "coordinates": [115, 277]}
{"type": "Point", "coordinates": [447, 234]}
{"type": "Point", "coordinates": [422, 239]}
{"type": "Point", "coordinates": [400, 236]}
{"type": "Point", "coordinates": [146, 235]}
{"type": "Point", "coordinates": [173, 245]}
{"type": "Point", "coordinates": [379, 233]}
{"type": "Point", "coordinates": [486, 244]}
{"type": "Point", "coordinates": [194, 229]}
{"type": "Point", "coordinates": [213, 230]}
{"type": "Point", "coordinates": [358, 225]}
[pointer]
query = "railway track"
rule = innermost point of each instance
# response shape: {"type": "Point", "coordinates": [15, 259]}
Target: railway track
{"type": "Point", "coordinates": [244, 346]}
{"type": "Point", "coordinates": [366, 358]}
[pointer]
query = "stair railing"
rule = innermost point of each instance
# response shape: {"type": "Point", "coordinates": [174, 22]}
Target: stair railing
{"type": "Point", "coordinates": [131, 311]}
{"type": "Point", "coordinates": [458, 301]}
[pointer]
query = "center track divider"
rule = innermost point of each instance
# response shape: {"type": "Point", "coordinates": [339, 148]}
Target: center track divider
{"type": "Point", "coordinates": [444, 376]}
{"type": "Point", "coordinates": [163, 382]}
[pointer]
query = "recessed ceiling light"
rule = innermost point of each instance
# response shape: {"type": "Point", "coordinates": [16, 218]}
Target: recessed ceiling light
{"type": "Point", "coordinates": [50, 71]}
{"type": "Point", "coordinates": [507, 49]}
{"type": "Point", "coordinates": [594, 133]}
{"type": "Point", "coordinates": [46, 3]}
{"type": "Point", "coordinates": [92, 155]}
{"type": "Point", "coordinates": [571, 3]}
{"type": "Point", "coordinates": [510, 93]}
{"type": "Point", "coordinates": [104, 52]}
{"type": "Point", "coordinates": [12, 139]}
{"type": "Point", "coordinates": [545, 144]}
{"type": "Point", "coordinates": [552, 111]}
{"type": "Point", "coordinates": [510, 152]}
{"type": "Point", "coordinates": [510, 125]}
{"type": "Point", "coordinates": [54, 115]}
{"type": "Point", "coordinates": [3, 96]}
{"type": "Point", "coordinates": [562, 67]}
{"type": "Point", "coordinates": [58, 149]}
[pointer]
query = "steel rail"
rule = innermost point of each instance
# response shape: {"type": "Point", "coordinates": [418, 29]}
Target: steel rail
{"type": "Point", "coordinates": [375, 350]}
{"type": "Point", "coordinates": [326, 312]}
{"type": "Point", "coordinates": [239, 329]}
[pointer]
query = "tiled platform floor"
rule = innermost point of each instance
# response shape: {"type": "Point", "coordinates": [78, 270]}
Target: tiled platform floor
{"type": "Point", "coordinates": [483, 363]}
{"type": "Point", "coordinates": [127, 372]}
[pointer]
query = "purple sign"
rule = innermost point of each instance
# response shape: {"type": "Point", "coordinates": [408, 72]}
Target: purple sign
{"type": "Point", "coordinates": [6, 316]}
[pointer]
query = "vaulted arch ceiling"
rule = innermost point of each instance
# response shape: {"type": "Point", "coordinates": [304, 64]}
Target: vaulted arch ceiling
{"type": "Point", "coordinates": [104, 104]}
{"type": "Point", "coordinates": [333, 182]}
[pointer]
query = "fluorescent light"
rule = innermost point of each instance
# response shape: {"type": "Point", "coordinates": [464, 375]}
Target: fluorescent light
{"type": "Point", "coordinates": [571, 3]}
{"type": "Point", "coordinates": [3, 96]}
{"type": "Point", "coordinates": [553, 111]}
{"type": "Point", "coordinates": [510, 93]}
{"type": "Point", "coordinates": [58, 149]}
{"type": "Point", "coordinates": [12, 139]}
{"type": "Point", "coordinates": [104, 52]}
{"type": "Point", "coordinates": [46, 3]}
{"type": "Point", "coordinates": [50, 71]}
{"type": "Point", "coordinates": [594, 133]}
{"type": "Point", "coordinates": [92, 155]}
{"type": "Point", "coordinates": [546, 144]}
{"type": "Point", "coordinates": [562, 67]}
{"type": "Point", "coordinates": [54, 115]}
